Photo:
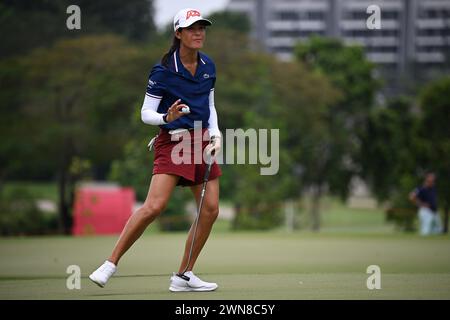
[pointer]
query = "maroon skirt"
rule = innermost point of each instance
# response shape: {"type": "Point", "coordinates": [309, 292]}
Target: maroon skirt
{"type": "Point", "coordinates": [186, 161]}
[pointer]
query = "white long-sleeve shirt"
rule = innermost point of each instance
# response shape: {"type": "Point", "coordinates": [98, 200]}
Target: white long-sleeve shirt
{"type": "Point", "coordinates": [150, 115]}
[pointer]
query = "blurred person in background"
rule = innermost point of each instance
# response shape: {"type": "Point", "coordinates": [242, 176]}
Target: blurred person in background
{"type": "Point", "coordinates": [425, 198]}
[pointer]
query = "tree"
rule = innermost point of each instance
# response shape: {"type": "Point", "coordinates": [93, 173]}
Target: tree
{"type": "Point", "coordinates": [265, 94]}
{"type": "Point", "coordinates": [133, 19]}
{"type": "Point", "coordinates": [14, 153]}
{"type": "Point", "coordinates": [79, 95]}
{"type": "Point", "coordinates": [237, 93]}
{"type": "Point", "coordinates": [302, 101]}
{"type": "Point", "coordinates": [434, 131]}
{"type": "Point", "coordinates": [389, 147]}
{"type": "Point", "coordinates": [401, 144]}
{"type": "Point", "coordinates": [28, 24]}
{"type": "Point", "coordinates": [389, 161]}
{"type": "Point", "coordinates": [335, 142]}
{"type": "Point", "coordinates": [31, 24]}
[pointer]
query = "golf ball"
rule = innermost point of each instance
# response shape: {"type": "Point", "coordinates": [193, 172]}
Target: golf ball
{"type": "Point", "coordinates": [185, 109]}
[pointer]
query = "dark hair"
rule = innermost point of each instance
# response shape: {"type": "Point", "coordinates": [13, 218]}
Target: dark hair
{"type": "Point", "coordinates": [173, 48]}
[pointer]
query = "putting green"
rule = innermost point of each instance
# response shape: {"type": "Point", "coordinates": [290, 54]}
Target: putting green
{"type": "Point", "coordinates": [245, 265]}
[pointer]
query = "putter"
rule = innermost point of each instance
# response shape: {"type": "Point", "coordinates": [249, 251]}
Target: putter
{"type": "Point", "coordinates": [205, 181]}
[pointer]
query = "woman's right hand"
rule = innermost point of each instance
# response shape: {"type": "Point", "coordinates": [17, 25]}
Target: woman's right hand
{"type": "Point", "coordinates": [174, 112]}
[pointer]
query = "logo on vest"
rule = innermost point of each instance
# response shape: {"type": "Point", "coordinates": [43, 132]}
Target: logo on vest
{"type": "Point", "coordinates": [206, 76]}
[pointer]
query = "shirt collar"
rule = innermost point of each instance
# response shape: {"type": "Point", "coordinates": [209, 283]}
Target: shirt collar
{"type": "Point", "coordinates": [180, 69]}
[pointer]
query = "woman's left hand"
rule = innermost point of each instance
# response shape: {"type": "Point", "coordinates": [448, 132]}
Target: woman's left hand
{"type": "Point", "coordinates": [175, 112]}
{"type": "Point", "coordinates": [214, 146]}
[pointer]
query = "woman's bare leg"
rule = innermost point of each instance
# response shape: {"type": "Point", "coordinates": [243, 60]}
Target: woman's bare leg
{"type": "Point", "coordinates": [210, 210]}
{"type": "Point", "coordinates": [159, 192]}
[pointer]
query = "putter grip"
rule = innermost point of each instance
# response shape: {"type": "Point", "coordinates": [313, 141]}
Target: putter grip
{"type": "Point", "coordinates": [208, 170]}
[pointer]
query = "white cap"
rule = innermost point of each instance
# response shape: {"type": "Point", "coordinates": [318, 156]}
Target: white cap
{"type": "Point", "coordinates": [186, 17]}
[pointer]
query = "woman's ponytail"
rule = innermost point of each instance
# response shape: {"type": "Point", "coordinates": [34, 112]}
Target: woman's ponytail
{"type": "Point", "coordinates": [173, 48]}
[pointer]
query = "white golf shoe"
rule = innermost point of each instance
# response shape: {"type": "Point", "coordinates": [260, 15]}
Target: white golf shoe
{"type": "Point", "coordinates": [103, 273]}
{"type": "Point", "coordinates": [179, 284]}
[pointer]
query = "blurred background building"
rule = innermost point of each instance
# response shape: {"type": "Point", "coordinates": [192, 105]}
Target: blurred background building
{"type": "Point", "coordinates": [413, 42]}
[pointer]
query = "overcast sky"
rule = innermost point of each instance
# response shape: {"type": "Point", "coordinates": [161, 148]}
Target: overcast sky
{"type": "Point", "coordinates": [165, 10]}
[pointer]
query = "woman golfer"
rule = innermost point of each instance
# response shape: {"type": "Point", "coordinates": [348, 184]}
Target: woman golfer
{"type": "Point", "coordinates": [180, 92]}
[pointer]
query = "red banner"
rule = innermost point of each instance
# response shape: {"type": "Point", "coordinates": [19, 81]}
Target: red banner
{"type": "Point", "coordinates": [100, 210]}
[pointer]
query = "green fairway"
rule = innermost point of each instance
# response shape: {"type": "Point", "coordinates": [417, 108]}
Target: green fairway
{"type": "Point", "coordinates": [245, 265]}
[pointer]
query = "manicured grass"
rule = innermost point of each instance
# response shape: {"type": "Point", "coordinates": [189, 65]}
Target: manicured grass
{"type": "Point", "coordinates": [247, 265]}
{"type": "Point", "coordinates": [337, 217]}
{"type": "Point", "coordinates": [257, 265]}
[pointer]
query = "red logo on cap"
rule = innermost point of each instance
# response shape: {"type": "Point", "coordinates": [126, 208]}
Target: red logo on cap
{"type": "Point", "coordinates": [192, 13]}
